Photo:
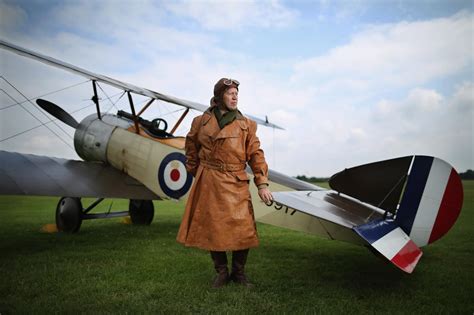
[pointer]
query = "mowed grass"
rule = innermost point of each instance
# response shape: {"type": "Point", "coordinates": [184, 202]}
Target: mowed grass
{"type": "Point", "coordinates": [111, 267]}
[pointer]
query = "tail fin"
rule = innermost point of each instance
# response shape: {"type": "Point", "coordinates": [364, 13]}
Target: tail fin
{"type": "Point", "coordinates": [432, 200]}
{"type": "Point", "coordinates": [379, 183]}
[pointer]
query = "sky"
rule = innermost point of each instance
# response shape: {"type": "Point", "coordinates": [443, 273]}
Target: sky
{"type": "Point", "coordinates": [352, 82]}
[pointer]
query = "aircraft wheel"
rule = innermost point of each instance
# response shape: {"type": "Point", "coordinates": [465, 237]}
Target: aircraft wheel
{"type": "Point", "coordinates": [69, 214]}
{"type": "Point", "coordinates": [141, 211]}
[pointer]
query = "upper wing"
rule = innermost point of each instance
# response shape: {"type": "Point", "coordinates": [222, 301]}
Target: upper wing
{"type": "Point", "coordinates": [116, 83]}
{"type": "Point", "coordinates": [26, 174]}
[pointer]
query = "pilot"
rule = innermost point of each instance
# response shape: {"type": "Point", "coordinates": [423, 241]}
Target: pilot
{"type": "Point", "coordinates": [219, 215]}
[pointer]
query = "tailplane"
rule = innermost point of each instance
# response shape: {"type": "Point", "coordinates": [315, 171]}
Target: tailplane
{"type": "Point", "coordinates": [423, 194]}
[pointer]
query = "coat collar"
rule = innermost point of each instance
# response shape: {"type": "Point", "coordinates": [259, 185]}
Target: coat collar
{"type": "Point", "coordinates": [208, 114]}
{"type": "Point", "coordinates": [230, 131]}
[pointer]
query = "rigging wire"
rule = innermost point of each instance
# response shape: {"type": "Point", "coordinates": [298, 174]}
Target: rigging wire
{"type": "Point", "coordinates": [113, 104]}
{"type": "Point", "coordinates": [35, 127]}
{"type": "Point", "coordinates": [173, 111]}
{"type": "Point", "coordinates": [50, 120]}
{"type": "Point", "coordinates": [182, 127]}
{"type": "Point", "coordinates": [78, 110]}
{"type": "Point", "coordinates": [273, 145]}
{"type": "Point", "coordinates": [108, 98]}
{"type": "Point", "coordinates": [42, 124]}
{"type": "Point", "coordinates": [20, 133]}
{"type": "Point", "coordinates": [28, 100]}
{"type": "Point", "coordinates": [170, 112]}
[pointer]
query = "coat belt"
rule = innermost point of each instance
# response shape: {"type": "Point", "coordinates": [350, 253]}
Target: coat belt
{"type": "Point", "coordinates": [223, 167]}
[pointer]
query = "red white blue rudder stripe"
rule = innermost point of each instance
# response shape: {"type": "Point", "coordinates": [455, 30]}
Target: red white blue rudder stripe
{"type": "Point", "coordinates": [392, 242]}
{"type": "Point", "coordinates": [431, 202]}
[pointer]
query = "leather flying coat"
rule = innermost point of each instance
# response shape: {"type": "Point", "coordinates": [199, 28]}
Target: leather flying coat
{"type": "Point", "coordinates": [219, 213]}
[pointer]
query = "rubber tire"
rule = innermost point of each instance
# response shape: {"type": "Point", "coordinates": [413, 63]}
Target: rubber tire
{"type": "Point", "coordinates": [141, 211]}
{"type": "Point", "coordinates": [69, 214]}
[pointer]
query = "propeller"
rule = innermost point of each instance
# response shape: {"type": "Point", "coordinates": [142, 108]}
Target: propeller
{"type": "Point", "coordinates": [57, 112]}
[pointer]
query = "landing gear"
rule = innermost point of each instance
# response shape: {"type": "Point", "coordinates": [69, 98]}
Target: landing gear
{"type": "Point", "coordinates": [141, 211]}
{"type": "Point", "coordinates": [70, 213]}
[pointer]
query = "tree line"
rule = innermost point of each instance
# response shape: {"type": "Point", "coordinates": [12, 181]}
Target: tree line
{"type": "Point", "coordinates": [467, 175]}
{"type": "Point", "coordinates": [312, 179]}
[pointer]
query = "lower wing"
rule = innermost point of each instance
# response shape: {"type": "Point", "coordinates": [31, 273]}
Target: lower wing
{"type": "Point", "coordinates": [27, 174]}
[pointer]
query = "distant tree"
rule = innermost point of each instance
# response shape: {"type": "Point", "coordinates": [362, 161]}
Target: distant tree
{"type": "Point", "coordinates": [312, 179]}
{"type": "Point", "coordinates": [469, 174]}
{"type": "Point", "coordinates": [302, 177]}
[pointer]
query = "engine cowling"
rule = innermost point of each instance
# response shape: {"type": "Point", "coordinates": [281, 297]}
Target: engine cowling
{"type": "Point", "coordinates": [92, 136]}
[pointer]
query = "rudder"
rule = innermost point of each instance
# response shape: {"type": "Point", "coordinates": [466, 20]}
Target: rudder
{"type": "Point", "coordinates": [432, 200]}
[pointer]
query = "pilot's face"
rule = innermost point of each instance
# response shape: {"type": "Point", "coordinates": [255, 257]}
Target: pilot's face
{"type": "Point", "coordinates": [231, 98]}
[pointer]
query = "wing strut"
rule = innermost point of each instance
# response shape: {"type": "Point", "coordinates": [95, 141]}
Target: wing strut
{"type": "Point", "coordinates": [95, 99]}
{"type": "Point", "coordinates": [145, 107]}
{"type": "Point", "coordinates": [179, 121]}
{"type": "Point", "coordinates": [135, 120]}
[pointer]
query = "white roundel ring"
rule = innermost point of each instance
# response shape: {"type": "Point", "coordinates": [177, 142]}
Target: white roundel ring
{"type": "Point", "coordinates": [173, 178]}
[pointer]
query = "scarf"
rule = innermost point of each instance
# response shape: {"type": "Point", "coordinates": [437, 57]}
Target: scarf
{"type": "Point", "coordinates": [225, 119]}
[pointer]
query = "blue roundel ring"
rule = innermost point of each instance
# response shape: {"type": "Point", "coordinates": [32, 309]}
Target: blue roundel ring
{"type": "Point", "coordinates": [173, 178]}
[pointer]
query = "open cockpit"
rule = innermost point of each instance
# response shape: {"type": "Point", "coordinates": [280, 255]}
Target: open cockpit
{"type": "Point", "coordinates": [155, 129]}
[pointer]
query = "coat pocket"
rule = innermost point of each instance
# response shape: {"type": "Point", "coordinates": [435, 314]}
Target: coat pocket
{"type": "Point", "coordinates": [241, 210]}
{"type": "Point", "coordinates": [242, 176]}
{"type": "Point", "coordinates": [242, 185]}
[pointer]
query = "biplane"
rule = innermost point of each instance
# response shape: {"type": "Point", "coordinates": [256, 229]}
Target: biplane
{"type": "Point", "coordinates": [393, 207]}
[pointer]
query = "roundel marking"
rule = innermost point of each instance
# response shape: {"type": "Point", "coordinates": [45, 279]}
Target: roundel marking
{"type": "Point", "coordinates": [173, 178]}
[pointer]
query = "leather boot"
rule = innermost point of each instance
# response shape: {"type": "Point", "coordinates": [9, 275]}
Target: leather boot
{"type": "Point", "coordinates": [220, 264]}
{"type": "Point", "coordinates": [239, 258]}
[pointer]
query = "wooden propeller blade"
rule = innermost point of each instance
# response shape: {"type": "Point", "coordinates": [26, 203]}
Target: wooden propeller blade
{"type": "Point", "coordinates": [57, 112]}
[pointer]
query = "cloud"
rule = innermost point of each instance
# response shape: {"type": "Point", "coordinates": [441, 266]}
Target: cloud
{"type": "Point", "coordinates": [463, 99]}
{"type": "Point", "coordinates": [11, 16]}
{"type": "Point", "coordinates": [139, 31]}
{"type": "Point", "coordinates": [231, 15]}
{"type": "Point", "coordinates": [104, 17]}
{"type": "Point", "coordinates": [425, 122]}
{"type": "Point", "coordinates": [327, 139]}
{"type": "Point", "coordinates": [394, 55]}
{"type": "Point", "coordinates": [419, 102]}
{"type": "Point", "coordinates": [341, 10]}
{"type": "Point", "coordinates": [373, 98]}
{"type": "Point", "coordinates": [327, 128]}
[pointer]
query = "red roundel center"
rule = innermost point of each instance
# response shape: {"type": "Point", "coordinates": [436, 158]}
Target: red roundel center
{"type": "Point", "coordinates": [175, 175]}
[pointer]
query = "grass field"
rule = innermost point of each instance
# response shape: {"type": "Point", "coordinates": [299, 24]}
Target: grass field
{"type": "Point", "coordinates": [111, 267]}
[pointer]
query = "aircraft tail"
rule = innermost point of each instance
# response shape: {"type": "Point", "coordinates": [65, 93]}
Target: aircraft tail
{"type": "Point", "coordinates": [431, 202]}
{"type": "Point", "coordinates": [392, 242]}
{"type": "Point", "coordinates": [424, 193]}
